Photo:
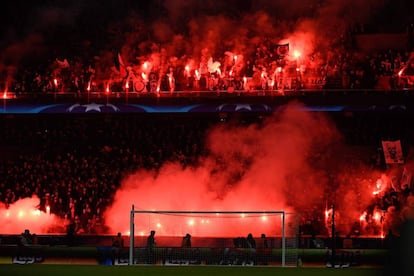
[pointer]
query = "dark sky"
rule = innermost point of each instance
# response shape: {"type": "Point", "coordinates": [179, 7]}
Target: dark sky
{"type": "Point", "coordinates": [20, 16]}
{"type": "Point", "coordinates": [60, 27]}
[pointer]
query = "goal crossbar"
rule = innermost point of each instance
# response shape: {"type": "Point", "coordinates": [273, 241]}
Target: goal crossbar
{"type": "Point", "coordinates": [132, 225]}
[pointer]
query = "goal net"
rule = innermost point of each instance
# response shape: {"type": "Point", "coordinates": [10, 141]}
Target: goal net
{"type": "Point", "coordinates": [213, 238]}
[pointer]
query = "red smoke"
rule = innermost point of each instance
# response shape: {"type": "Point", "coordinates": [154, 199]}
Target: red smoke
{"type": "Point", "coordinates": [281, 164]}
{"type": "Point", "coordinates": [24, 214]}
{"type": "Point", "coordinates": [181, 28]}
{"type": "Point", "coordinates": [293, 160]}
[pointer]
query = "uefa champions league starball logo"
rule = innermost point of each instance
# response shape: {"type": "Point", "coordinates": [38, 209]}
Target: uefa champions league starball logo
{"type": "Point", "coordinates": [92, 107]}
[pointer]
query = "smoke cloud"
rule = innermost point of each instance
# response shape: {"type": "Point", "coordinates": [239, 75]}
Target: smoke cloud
{"type": "Point", "coordinates": [284, 163]}
{"type": "Point", "coordinates": [293, 160]}
{"type": "Point", "coordinates": [24, 214]}
{"type": "Point", "coordinates": [184, 28]}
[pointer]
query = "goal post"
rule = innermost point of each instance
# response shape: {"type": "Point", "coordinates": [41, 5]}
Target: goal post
{"type": "Point", "coordinates": [218, 237]}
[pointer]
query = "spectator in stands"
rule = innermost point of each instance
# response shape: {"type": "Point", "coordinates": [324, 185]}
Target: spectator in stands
{"type": "Point", "coordinates": [81, 180]}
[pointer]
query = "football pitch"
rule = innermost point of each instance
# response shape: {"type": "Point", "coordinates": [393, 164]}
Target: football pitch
{"type": "Point", "coordinates": [91, 270]}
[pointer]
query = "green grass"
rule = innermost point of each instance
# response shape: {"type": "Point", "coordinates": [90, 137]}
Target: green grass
{"type": "Point", "coordinates": [91, 270]}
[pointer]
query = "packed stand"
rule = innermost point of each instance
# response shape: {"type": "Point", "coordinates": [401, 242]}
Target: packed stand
{"type": "Point", "coordinates": [74, 164]}
{"type": "Point", "coordinates": [263, 70]}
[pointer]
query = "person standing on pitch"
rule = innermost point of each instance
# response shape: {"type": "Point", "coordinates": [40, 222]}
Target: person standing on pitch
{"type": "Point", "coordinates": [151, 248]}
{"type": "Point", "coordinates": [186, 242]}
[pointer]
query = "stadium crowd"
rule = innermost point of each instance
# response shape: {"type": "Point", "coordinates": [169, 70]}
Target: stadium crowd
{"type": "Point", "coordinates": [74, 164]}
{"type": "Point", "coordinates": [249, 50]}
{"type": "Point", "coordinates": [265, 69]}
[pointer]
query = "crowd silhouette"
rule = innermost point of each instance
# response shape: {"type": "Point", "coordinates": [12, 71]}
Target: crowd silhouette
{"type": "Point", "coordinates": [263, 70]}
{"type": "Point", "coordinates": [74, 164]}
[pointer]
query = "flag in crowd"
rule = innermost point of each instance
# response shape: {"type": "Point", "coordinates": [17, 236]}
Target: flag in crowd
{"type": "Point", "coordinates": [393, 152]}
{"type": "Point", "coordinates": [282, 49]}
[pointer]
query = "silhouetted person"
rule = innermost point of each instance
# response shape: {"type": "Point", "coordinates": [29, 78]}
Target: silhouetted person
{"type": "Point", "coordinates": [25, 243]}
{"type": "Point", "coordinates": [71, 234]}
{"type": "Point", "coordinates": [264, 241]}
{"type": "Point", "coordinates": [186, 242]}
{"type": "Point", "coordinates": [251, 252]}
{"type": "Point", "coordinates": [151, 247]}
{"type": "Point", "coordinates": [263, 250]}
{"type": "Point", "coordinates": [389, 240]}
{"type": "Point", "coordinates": [26, 238]}
{"type": "Point", "coordinates": [348, 254]}
{"type": "Point", "coordinates": [250, 241]}
{"type": "Point", "coordinates": [117, 246]}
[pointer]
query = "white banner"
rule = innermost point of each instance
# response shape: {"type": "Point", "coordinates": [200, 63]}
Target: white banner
{"type": "Point", "coordinates": [393, 152]}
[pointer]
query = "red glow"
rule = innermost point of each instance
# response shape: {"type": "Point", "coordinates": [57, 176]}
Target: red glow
{"type": "Point", "coordinates": [24, 214]}
{"type": "Point", "coordinates": [5, 96]}
{"type": "Point", "coordinates": [270, 155]}
{"type": "Point", "coordinates": [380, 185]}
{"type": "Point", "coordinates": [377, 216]}
{"type": "Point", "coordinates": [204, 187]}
{"type": "Point", "coordinates": [147, 67]}
{"type": "Point", "coordinates": [363, 216]}
{"type": "Point", "coordinates": [328, 214]}
{"type": "Point", "coordinates": [247, 182]}
{"type": "Point", "coordinates": [208, 224]}
{"type": "Point", "coordinates": [218, 71]}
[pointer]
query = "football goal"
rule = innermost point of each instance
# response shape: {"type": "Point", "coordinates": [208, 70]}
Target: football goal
{"type": "Point", "coordinates": [183, 237]}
